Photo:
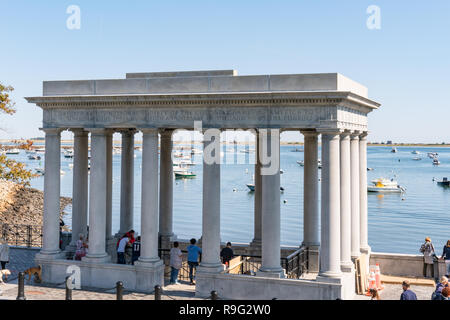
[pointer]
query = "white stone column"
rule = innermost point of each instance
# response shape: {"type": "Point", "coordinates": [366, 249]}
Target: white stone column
{"type": "Point", "coordinates": [127, 181]}
{"type": "Point", "coordinates": [270, 203]}
{"type": "Point", "coordinates": [166, 189]}
{"type": "Point", "coordinates": [364, 235]}
{"type": "Point", "coordinates": [80, 186]}
{"type": "Point", "coordinates": [330, 257]}
{"type": "Point", "coordinates": [346, 212]}
{"type": "Point", "coordinates": [149, 198]}
{"type": "Point", "coordinates": [50, 238]}
{"type": "Point", "coordinates": [97, 198]}
{"type": "Point", "coordinates": [109, 178]}
{"type": "Point", "coordinates": [355, 208]}
{"type": "Point", "coordinates": [311, 190]}
{"type": "Point", "coordinates": [257, 226]}
{"type": "Point", "coordinates": [211, 203]}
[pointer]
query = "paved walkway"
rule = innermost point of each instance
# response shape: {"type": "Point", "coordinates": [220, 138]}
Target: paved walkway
{"type": "Point", "coordinates": [22, 259]}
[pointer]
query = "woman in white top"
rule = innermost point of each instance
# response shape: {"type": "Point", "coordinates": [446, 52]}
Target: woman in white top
{"type": "Point", "coordinates": [176, 262]}
{"type": "Point", "coordinates": [4, 253]}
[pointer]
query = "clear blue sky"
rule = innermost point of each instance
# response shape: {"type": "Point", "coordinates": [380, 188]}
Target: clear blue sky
{"type": "Point", "coordinates": [405, 64]}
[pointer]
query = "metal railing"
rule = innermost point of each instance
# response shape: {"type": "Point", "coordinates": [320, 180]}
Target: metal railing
{"type": "Point", "coordinates": [296, 263]}
{"type": "Point", "coordinates": [22, 235]}
{"type": "Point", "coordinates": [183, 274]}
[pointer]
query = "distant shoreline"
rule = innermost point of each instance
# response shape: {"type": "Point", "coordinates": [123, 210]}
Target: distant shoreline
{"type": "Point", "coordinates": [284, 143]}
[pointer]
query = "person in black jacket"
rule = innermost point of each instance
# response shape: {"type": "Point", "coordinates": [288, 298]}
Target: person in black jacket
{"type": "Point", "coordinates": [227, 254]}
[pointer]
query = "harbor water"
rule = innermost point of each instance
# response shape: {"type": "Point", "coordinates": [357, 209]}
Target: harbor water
{"type": "Point", "coordinates": [397, 222]}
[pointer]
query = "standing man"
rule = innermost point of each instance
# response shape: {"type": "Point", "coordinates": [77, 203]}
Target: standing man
{"type": "Point", "coordinates": [227, 254]}
{"type": "Point", "coordinates": [407, 294]}
{"type": "Point", "coordinates": [193, 255]}
{"type": "Point", "coordinates": [136, 250]}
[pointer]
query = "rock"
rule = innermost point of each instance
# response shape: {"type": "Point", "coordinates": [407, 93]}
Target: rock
{"type": "Point", "coordinates": [23, 205]}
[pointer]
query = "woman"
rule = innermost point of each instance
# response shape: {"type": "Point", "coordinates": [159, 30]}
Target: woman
{"type": "Point", "coordinates": [428, 253]}
{"type": "Point", "coordinates": [446, 257]}
{"type": "Point", "coordinates": [4, 253]}
{"type": "Point", "coordinates": [176, 262]}
{"type": "Point", "coordinates": [437, 294]}
{"type": "Point", "coordinates": [81, 248]}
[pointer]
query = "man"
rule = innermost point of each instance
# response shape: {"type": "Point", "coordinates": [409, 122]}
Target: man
{"type": "Point", "coordinates": [136, 250]}
{"type": "Point", "coordinates": [193, 255]}
{"type": "Point", "coordinates": [407, 293]}
{"type": "Point", "coordinates": [227, 254]}
{"type": "Point", "coordinates": [122, 245]}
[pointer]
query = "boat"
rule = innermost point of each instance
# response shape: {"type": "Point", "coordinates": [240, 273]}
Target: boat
{"type": "Point", "coordinates": [415, 152]}
{"type": "Point", "coordinates": [445, 182]}
{"type": "Point", "coordinates": [251, 187]}
{"type": "Point", "coordinates": [436, 162]}
{"type": "Point", "coordinates": [34, 157]}
{"type": "Point", "coordinates": [370, 169]}
{"type": "Point", "coordinates": [385, 185]}
{"type": "Point", "coordinates": [432, 155]}
{"type": "Point", "coordinates": [394, 150]}
{"type": "Point", "coordinates": [41, 150]}
{"type": "Point", "coordinates": [40, 171]}
{"type": "Point", "coordinates": [12, 151]}
{"type": "Point", "coordinates": [297, 150]}
{"type": "Point", "coordinates": [68, 154]}
{"type": "Point", "coordinates": [185, 174]}
{"type": "Point", "coordinates": [183, 162]}
{"type": "Point", "coordinates": [417, 158]}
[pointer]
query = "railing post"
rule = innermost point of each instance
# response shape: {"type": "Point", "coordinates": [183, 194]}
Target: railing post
{"type": "Point", "coordinates": [68, 288]}
{"type": "Point", "coordinates": [21, 287]}
{"type": "Point", "coordinates": [214, 295]}
{"type": "Point", "coordinates": [119, 290]}
{"type": "Point", "coordinates": [157, 292]}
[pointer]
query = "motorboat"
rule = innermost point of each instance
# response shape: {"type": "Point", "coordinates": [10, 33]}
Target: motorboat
{"type": "Point", "coordinates": [394, 150]}
{"type": "Point", "coordinates": [34, 157]}
{"type": "Point", "coordinates": [40, 171]}
{"type": "Point", "coordinates": [184, 174]}
{"type": "Point", "coordinates": [415, 152]}
{"type": "Point", "coordinates": [417, 158]}
{"type": "Point", "coordinates": [12, 151]}
{"type": "Point", "coordinates": [370, 169]}
{"type": "Point", "coordinates": [436, 162]}
{"type": "Point", "coordinates": [385, 185]}
{"type": "Point", "coordinates": [68, 154]}
{"type": "Point", "coordinates": [432, 155]}
{"type": "Point", "coordinates": [297, 150]}
{"type": "Point", "coordinates": [445, 182]}
{"type": "Point", "coordinates": [251, 187]}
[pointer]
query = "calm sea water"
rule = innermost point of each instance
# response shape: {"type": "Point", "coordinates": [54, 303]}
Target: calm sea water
{"type": "Point", "coordinates": [397, 223]}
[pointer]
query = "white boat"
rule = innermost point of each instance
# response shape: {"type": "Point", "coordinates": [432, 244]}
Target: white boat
{"type": "Point", "coordinates": [417, 158]}
{"type": "Point", "coordinates": [385, 185]}
{"type": "Point", "coordinates": [183, 163]}
{"type": "Point", "coordinates": [415, 152]}
{"type": "Point", "coordinates": [432, 155]}
{"type": "Point", "coordinates": [12, 151]}
{"type": "Point", "coordinates": [436, 162]}
{"type": "Point", "coordinates": [302, 163]}
{"type": "Point", "coordinates": [68, 154]}
{"type": "Point", "coordinates": [40, 171]}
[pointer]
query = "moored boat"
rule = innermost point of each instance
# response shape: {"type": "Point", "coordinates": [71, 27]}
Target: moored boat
{"type": "Point", "coordinates": [385, 185]}
{"type": "Point", "coordinates": [445, 182]}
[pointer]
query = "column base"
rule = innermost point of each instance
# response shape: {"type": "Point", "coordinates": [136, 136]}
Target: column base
{"type": "Point", "coordinates": [210, 268]}
{"type": "Point", "coordinates": [271, 273]}
{"type": "Point", "coordinates": [50, 256]}
{"type": "Point", "coordinates": [103, 258]}
{"type": "Point", "coordinates": [331, 275]}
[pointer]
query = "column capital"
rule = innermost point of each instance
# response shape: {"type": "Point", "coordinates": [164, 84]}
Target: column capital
{"type": "Point", "coordinates": [309, 133]}
{"type": "Point", "coordinates": [148, 130]}
{"type": "Point", "coordinates": [127, 131]}
{"type": "Point", "coordinates": [79, 132]}
{"type": "Point", "coordinates": [52, 131]}
{"type": "Point", "coordinates": [345, 135]}
{"type": "Point", "coordinates": [166, 132]}
{"type": "Point", "coordinates": [363, 135]}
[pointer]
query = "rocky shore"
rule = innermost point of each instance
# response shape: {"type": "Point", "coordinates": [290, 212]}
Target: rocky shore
{"type": "Point", "coordinates": [23, 205]}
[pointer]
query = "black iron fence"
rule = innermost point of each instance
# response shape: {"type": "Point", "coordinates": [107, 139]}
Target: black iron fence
{"type": "Point", "coordinates": [22, 235]}
{"type": "Point", "coordinates": [183, 274]}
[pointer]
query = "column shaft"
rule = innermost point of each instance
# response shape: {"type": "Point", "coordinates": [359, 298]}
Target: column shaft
{"type": "Point", "coordinates": [355, 208]}
{"type": "Point", "coordinates": [258, 196]}
{"type": "Point", "coordinates": [149, 197]}
{"type": "Point", "coordinates": [330, 212]}
{"type": "Point", "coordinates": [109, 178]}
{"type": "Point", "coordinates": [211, 202]}
{"type": "Point", "coordinates": [364, 235]}
{"type": "Point", "coordinates": [50, 240]}
{"type": "Point", "coordinates": [346, 262]}
{"type": "Point", "coordinates": [127, 182]}
{"type": "Point", "coordinates": [311, 191]}
{"type": "Point", "coordinates": [166, 187]}
{"type": "Point", "coordinates": [80, 185]}
{"type": "Point", "coordinates": [97, 197]}
{"type": "Point", "coordinates": [270, 202]}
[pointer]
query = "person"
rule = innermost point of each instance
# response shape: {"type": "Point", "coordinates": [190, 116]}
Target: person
{"type": "Point", "coordinates": [374, 295]}
{"type": "Point", "coordinates": [227, 254]}
{"type": "Point", "coordinates": [4, 253]}
{"type": "Point", "coordinates": [136, 250]}
{"type": "Point", "coordinates": [176, 262]}
{"type": "Point", "coordinates": [61, 226]}
{"type": "Point", "coordinates": [446, 257]}
{"type": "Point", "coordinates": [437, 294]}
{"type": "Point", "coordinates": [81, 250]}
{"type": "Point", "coordinates": [193, 255]}
{"type": "Point", "coordinates": [407, 293]}
{"type": "Point", "coordinates": [446, 293]}
{"type": "Point", "coordinates": [428, 253]}
{"type": "Point", "coordinates": [123, 242]}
